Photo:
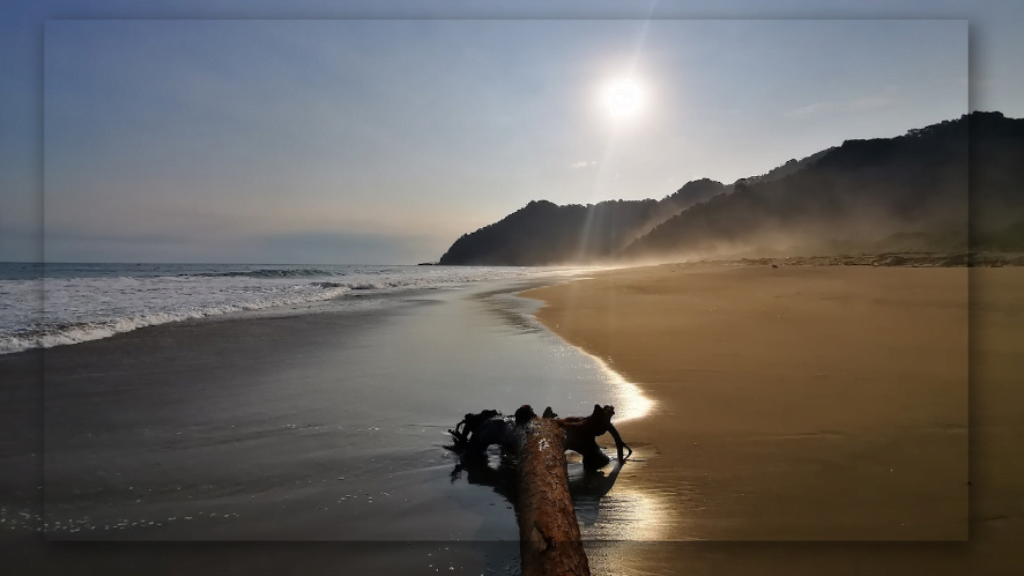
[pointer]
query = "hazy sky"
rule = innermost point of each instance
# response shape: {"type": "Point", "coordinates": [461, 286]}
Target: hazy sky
{"type": "Point", "coordinates": [364, 141]}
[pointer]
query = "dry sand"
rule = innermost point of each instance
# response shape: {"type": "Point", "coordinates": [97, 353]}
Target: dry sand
{"type": "Point", "coordinates": [814, 403]}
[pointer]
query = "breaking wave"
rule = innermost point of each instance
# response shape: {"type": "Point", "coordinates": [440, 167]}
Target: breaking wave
{"type": "Point", "coordinates": [263, 273]}
{"type": "Point", "coordinates": [55, 333]}
{"type": "Point", "coordinates": [120, 298]}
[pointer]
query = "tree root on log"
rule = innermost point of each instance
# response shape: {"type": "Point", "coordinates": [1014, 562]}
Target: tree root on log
{"type": "Point", "coordinates": [472, 436]}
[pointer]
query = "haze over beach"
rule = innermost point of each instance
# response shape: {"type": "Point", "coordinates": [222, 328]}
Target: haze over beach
{"type": "Point", "coordinates": [282, 259]}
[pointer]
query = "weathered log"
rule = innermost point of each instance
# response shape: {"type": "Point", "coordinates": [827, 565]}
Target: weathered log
{"type": "Point", "coordinates": [548, 530]}
{"type": "Point", "coordinates": [549, 535]}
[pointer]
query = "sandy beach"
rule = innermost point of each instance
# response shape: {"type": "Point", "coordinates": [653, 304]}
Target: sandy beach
{"type": "Point", "coordinates": [796, 408]}
{"type": "Point", "coordinates": [814, 403]}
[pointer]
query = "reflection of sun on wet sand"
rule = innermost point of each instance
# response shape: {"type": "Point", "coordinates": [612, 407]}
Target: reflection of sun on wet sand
{"type": "Point", "coordinates": [798, 403]}
{"type": "Point", "coordinates": [630, 401]}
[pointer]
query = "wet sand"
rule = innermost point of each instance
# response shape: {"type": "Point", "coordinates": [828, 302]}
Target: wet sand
{"type": "Point", "coordinates": [815, 403]}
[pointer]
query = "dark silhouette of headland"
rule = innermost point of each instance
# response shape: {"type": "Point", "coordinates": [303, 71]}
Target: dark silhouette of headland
{"type": "Point", "coordinates": [910, 193]}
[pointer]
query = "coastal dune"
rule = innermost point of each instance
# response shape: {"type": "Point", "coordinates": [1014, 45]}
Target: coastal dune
{"type": "Point", "coordinates": [791, 403]}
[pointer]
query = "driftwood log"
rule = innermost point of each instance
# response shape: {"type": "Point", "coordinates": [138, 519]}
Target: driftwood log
{"type": "Point", "coordinates": [549, 535]}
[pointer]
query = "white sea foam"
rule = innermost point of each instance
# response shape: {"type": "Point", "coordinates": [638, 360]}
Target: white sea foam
{"type": "Point", "coordinates": [64, 310]}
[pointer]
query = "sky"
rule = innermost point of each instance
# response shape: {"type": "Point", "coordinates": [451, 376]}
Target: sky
{"type": "Point", "coordinates": [382, 141]}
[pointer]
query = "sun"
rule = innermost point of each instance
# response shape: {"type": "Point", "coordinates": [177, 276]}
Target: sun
{"type": "Point", "coordinates": [623, 98]}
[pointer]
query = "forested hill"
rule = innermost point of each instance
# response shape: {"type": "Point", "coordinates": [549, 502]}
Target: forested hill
{"type": "Point", "coordinates": [908, 192]}
{"type": "Point", "coordinates": [904, 193]}
{"type": "Point", "coordinates": [544, 233]}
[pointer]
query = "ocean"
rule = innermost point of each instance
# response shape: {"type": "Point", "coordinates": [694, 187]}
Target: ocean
{"type": "Point", "coordinates": [46, 305]}
{"type": "Point", "coordinates": [289, 403]}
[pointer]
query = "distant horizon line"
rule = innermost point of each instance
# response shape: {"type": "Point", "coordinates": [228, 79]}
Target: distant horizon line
{"type": "Point", "coordinates": [43, 263]}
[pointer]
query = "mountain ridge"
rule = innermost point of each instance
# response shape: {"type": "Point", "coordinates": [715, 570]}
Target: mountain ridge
{"type": "Point", "coordinates": [910, 191]}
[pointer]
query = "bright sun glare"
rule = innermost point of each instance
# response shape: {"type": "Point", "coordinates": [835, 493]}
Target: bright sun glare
{"type": "Point", "coordinates": [623, 98]}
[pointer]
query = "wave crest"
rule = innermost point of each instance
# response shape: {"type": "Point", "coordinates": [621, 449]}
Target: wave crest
{"type": "Point", "coordinates": [58, 334]}
{"type": "Point", "coordinates": [264, 273]}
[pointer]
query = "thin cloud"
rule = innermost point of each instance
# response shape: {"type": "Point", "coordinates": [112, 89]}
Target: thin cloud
{"type": "Point", "coordinates": [583, 164]}
{"type": "Point", "coordinates": [810, 110]}
{"type": "Point", "coordinates": [870, 103]}
{"type": "Point", "coordinates": [845, 106]}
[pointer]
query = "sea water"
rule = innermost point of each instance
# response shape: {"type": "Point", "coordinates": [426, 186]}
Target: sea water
{"type": "Point", "coordinates": [323, 424]}
{"type": "Point", "coordinates": [45, 305]}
